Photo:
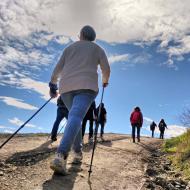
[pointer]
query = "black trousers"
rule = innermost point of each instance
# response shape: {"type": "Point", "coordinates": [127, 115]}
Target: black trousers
{"type": "Point", "coordinates": [162, 134]}
{"type": "Point", "coordinates": [152, 133]}
{"type": "Point", "coordinates": [134, 127]}
{"type": "Point", "coordinates": [91, 122]}
{"type": "Point", "coordinates": [102, 124]}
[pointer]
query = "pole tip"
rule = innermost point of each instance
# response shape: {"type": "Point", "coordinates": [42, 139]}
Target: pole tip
{"type": "Point", "coordinates": [89, 173]}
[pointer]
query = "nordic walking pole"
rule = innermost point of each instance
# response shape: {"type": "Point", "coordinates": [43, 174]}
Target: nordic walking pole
{"type": "Point", "coordinates": [95, 134]}
{"type": "Point", "coordinates": [61, 128]}
{"type": "Point", "coordinates": [23, 124]}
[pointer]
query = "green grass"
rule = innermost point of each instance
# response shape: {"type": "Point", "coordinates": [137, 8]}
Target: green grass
{"type": "Point", "coordinates": [179, 152]}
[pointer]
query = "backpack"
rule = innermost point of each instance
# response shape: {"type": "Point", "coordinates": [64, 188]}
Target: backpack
{"type": "Point", "coordinates": [161, 126]}
{"type": "Point", "coordinates": [136, 118]}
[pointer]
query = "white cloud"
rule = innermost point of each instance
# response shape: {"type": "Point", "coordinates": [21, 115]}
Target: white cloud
{"type": "Point", "coordinates": [17, 103]}
{"type": "Point", "coordinates": [171, 131]}
{"type": "Point", "coordinates": [21, 81]}
{"type": "Point", "coordinates": [62, 40]}
{"type": "Point", "coordinates": [147, 121]}
{"type": "Point", "coordinates": [8, 131]}
{"type": "Point", "coordinates": [19, 122]}
{"type": "Point", "coordinates": [163, 105]}
{"type": "Point", "coordinates": [2, 127]}
{"type": "Point", "coordinates": [141, 58]}
{"type": "Point", "coordinates": [118, 58]}
{"type": "Point", "coordinates": [27, 27]}
{"type": "Point", "coordinates": [25, 52]}
{"type": "Point", "coordinates": [174, 130]}
{"type": "Point", "coordinates": [114, 21]}
{"type": "Point", "coordinates": [5, 129]}
{"type": "Point", "coordinates": [182, 48]}
{"type": "Point", "coordinates": [131, 58]}
{"type": "Point", "coordinates": [37, 86]}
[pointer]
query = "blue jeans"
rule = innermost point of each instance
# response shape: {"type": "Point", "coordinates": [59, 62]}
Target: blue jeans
{"type": "Point", "coordinates": [61, 113]}
{"type": "Point", "coordinates": [78, 103]}
{"type": "Point", "coordinates": [134, 126]}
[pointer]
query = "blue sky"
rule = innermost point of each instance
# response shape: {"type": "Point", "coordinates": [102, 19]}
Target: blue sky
{"type": "Point", "coordinates": [148, 47]}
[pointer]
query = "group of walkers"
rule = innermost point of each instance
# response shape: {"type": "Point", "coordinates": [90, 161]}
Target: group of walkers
{"type": "Point", "coordinates": [136, 120]}
{"type": "Point", "coordinates": [91, 116]}
{"type": "Point", "coordinates": [162, 126]}
{"type": "Point", "coordinates": [77, 73]}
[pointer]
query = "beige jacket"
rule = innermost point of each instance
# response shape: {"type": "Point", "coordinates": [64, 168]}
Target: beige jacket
{"type": "Point", "coordinates": [78, 65]}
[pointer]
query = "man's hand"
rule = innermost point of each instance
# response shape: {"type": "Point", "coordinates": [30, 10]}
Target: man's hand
{"type": "Point", "coordinates": [53, 90]}
{"type": "Point", "coordinates": [53, 94]}
{"type": "Point", "coordinates": [105, 85]}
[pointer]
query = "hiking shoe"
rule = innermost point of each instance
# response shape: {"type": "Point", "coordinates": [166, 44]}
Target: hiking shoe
{"type": "Point", "coordinates": [139, 140]}
{"type": "Point", "coordinates": [102, 139]}
{"type": "Point", "coordinates": [77, 158]}
{"type": "Point", "coordinates": [58, 165]}
{"type": "Point", "coordinates": [90, 140]}
{"type": "Point", "coordinates": [53, 139]}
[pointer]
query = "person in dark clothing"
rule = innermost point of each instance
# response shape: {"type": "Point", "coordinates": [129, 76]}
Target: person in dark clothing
{"type": "Point", "coordinates": [62, 112]}
{"type": "Point", "coordinates": [136, 120]}
{"type": "Point", "coordinates": [102, 120]}
{"type": "Point", "coordinates": [90, 115]}
{"type": "Point", "coordinates": [162, 126]}
{"type": "Point", "coordinates": [152, 128]}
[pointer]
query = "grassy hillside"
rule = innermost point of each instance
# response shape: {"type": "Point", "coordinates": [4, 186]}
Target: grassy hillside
{"type": "Point", "coordinates": [179, 151]}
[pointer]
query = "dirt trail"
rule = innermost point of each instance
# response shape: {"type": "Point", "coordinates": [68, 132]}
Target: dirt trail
{"type": "Point", "coordinates": [118, 164]}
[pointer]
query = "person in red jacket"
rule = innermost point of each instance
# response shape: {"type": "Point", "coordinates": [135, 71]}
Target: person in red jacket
{"type": "Point", "coordinates": [136, 120]}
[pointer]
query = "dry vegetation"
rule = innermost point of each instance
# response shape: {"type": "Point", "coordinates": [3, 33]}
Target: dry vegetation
{"type": "Point", "coordinates": [179, 150]}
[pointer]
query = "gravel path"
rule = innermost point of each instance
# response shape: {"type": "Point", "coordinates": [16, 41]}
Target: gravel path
{"type": "Point", "coordinates": [118, 164]}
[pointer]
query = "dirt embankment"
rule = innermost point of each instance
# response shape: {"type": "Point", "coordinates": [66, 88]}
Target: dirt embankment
{"type": "Point", "coordinates": [118, 164]}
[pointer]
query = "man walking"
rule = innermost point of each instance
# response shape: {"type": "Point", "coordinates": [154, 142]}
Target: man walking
{"type": "Point", "coordinates": [78, 86]}
{"type": "Point", "coordinates": [152, 128]}
{"type": "Point", "coordinates": [102, 120]}
{"type": "Point", "coordinates": [136, 120]}
{"type": "Point", "coordinates": [162, 126]}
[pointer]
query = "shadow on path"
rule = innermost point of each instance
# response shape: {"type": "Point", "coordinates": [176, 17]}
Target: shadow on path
{"type": "Point", "coordinates": [118, 138]}
{"type": "Point", "coordinates": [31, 157]}
{"type": "Point", "coordinates": [148, 147]}
{"type": "Point", "coordinates": [108, 142]}
{"type": "Point", "coordinates": [88, 147]}
{"type": "Point", "coordinates": [58, 182]}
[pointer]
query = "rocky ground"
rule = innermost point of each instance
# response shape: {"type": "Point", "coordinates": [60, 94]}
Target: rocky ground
{"type": "Point", "coordinates": [161, 175]}
{"type": "Point", "coordinates": [118, 164]}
